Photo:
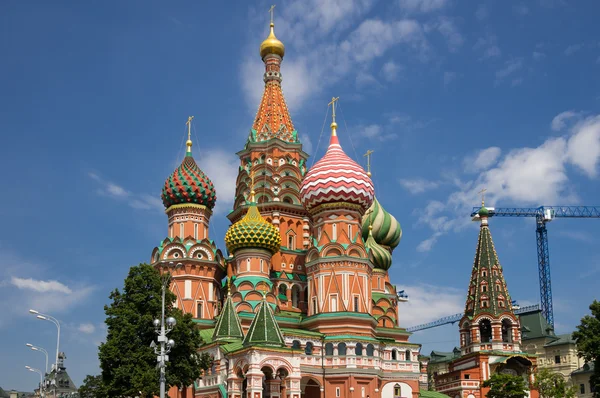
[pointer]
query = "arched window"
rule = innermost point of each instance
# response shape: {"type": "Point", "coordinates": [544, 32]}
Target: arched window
{"type": "Point", "coordinates": [484, 288]}
{"type": "Point", "coordinates": [506, 331]}
{"type": "Point", "coordinates": [484, 273]}
{"type": "Point", "coordinates": [295, 295]}
{"type": "Point", "coordinates": [329, 349]}
{"type": "Point", "coordinates": [308, 350]}
{"type": "Point", "coordinates": [296, 344]}
{"type": "Point", "coordinates": [397, 391]}
{"type": "Point", "coordinates": [485, 330]}
{"type": "Point", "coordinates": [394, 354]}
{"type": "Point", "coordinates": [358, 350]}
{"type": "Point", "coordinates": [342, 349]}
{"type": "Point", "coordinates": [407, 355]}
{"type": "Point", "coordinates": [247, 264]}
{"type": "Point", "coordinates": [283, 292]}
{"type": "Point", "coordinates": [370, 350]}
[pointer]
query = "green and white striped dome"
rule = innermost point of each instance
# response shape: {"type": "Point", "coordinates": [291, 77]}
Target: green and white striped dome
{"type": "Point", "coordinates": [381, 257]}
{"type": "Point", "coordinates": [386, 229]}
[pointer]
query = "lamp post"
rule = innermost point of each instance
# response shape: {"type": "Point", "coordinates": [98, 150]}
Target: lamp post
{"type": "Point", "coordinates": [162, 327]}
{"type": "Point", "coordinates": [29, 368]}
{"type": "Point", "coordinates": [55, 321]}
{"type": "Point", "coordinates": [40, 349]}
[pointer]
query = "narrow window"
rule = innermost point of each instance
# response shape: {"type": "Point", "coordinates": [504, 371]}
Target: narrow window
{"type": "Point", "coordinates": [350, 231]}
{"type": "Point", "coordinates": [196, 231]}
{"type": "Point", "coordinates": [329, 349]}
{"type": "Point", "coordinates": [342, 349]}
{"type": "Point", "coordinates": [355, 303]}
{"type": "Point", "coordinates": [291, 242]}
{"type": "Point", "coordinates": [247, 264]}
{"type": "Point", "coordinates": [407, 355]}
{"type": "Point", "coordinates": [333, 304]}
{"type": "Point", "coordinates": [582, 388]}
{"type": "Point", "coordinates": [337, 392]}
{"type": "Point", "coordinates": [557, 359]}
{"type": "Point", "coordinates": [205, 232]}
{"type": "Point", "coordinates": [314, 305]}
{"type": "Point", "coordinates": [334, 234]}
{"type": "Point", "coordinates": [308, 349]}
{"type": "Point", "coordinates": [188, 289]}
{"type": "Point", "coordinates": [181, 230]}
{"type": "Point", "coordinates": [497, 288]}
{"type": "Point", "coordinates": [199, 309]}
{"type": "Point", "coordinates": [397, 391]}
{"type": "Point", "coordinates": [484, 288]}
{"type": "Point", "coordinates": [394, 354]}
{"type": "Point", "coordinates": [262, 263]}
{"type": "Point", "coordinates": [171, 232]}
{"type": "Point", "coordinates": [358, 350]}
{"type": "Point", "coordinates": [484, 274]}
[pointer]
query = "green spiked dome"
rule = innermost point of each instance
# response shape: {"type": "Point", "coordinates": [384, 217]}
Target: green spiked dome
{"type": "Point", "coordinates": [189, 185]}
{"type": "Point", "coordinates": [386, 229]}
{"type": "Point", "coordinates": [253, 231]}
{"type": "Point", "coordinates": [382, 258]}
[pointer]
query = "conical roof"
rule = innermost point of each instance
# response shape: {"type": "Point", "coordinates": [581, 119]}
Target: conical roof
{"type": "Point", "coordinates": [228, 326]}
{"type": "Point", "coordinates": [487, 289]}
{"type": "Point", "coordinates": [264, 330]}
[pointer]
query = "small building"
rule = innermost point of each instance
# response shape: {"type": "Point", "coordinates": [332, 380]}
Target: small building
{"type": "Point", "coordinates": [581, 379]}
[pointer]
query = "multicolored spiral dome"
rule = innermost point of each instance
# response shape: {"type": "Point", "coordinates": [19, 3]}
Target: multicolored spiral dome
{"type": "Point", "coordinates": [336, 178]}
{"type": "Point", "coordinates": [381, 257]}
{"type": "Point", "coordinates": [386, 229]}
{"type": "Point", "coordinates": [188, 184]}
{"type": "Point", "coordinates": [253, 231]}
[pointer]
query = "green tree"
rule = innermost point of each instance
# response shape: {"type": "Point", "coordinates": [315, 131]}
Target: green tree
{"type": "Point", "coordinates": [587, 337]}
{"type": "Point", "coordinates": [505, 386]}
{"type": "Point", "coordinates": [127, 361]}
{"type": "Point", "coordinates": [553, 385]}
{"type": "Point", "coordinates": [92, 387]}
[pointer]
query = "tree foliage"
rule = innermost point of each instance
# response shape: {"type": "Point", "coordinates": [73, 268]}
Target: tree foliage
{"type": "Point", "coordinates": [553, 385]}
{"type": "Point", "coordinates": [127, 361]}
{"type": "Point", "coordinates": [505, 386]}
{"type": "Point", "coordinates": [587, 337]}
{"type": "Point", "coordinates": [92, 387]}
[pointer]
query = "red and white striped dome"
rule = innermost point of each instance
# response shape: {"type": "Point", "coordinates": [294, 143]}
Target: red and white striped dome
{"type": "Point", "coordinates": [336, 178]}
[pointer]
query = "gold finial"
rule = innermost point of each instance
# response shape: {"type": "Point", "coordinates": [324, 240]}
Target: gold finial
{"type": "Point", "coordinates": [229, 286]}
{"type": "Point", "coordinates": [271, 12]}
{"type": "Point", "coordinates": [482, 192]}
{"type": "Point", "coordinates": [333, 123]}
{"type": "Point", "coordinates": [189, 140]}
{"type": "Point", "coordinates": [368, 155]}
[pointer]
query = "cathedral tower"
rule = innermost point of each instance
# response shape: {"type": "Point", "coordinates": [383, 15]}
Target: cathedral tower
{"type": "Point", "coordinates": [187, 253]}
{"type": "Point", "coordinates": [274, 153]}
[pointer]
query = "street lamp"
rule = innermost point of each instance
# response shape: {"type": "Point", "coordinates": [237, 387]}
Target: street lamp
{"type": "Point", "coordinates": [45, 317]}
{"type": "Point", "coordinates": [163, 327]}
{"type": "Point", "coordinates": [40, 349]}
{"type": "Point", "coordinates": [29, 368]}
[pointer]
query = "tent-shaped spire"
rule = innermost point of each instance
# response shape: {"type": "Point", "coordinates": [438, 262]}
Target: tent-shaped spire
{"type": "Point", "coordinates": [228, 326]}
{"type": "Point", "coordinates": [264, 330]}
{"type": "Point", "coordinates": [487, 289]}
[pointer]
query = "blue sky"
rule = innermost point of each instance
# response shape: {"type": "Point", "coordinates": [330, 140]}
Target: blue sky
{"type": "Point", "coordinates": [452, 97]}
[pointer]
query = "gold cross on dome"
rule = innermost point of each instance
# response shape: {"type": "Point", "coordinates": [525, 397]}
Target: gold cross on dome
{"type": "Point", "coordinates": [482, 192]}
{"type": "Point", "coordinates": [271, 12]}
{"type": "Point", "coordinates": [189, 124]}
{"type": "Point", "coordinates": [332, 103]}
{"type": "Point", "coordinates": [368, 156]}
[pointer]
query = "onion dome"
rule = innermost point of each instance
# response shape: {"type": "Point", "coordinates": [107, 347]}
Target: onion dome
{"type": "Point", "coordinates": [386, 229]}
{"type": "Point", "coordinates": [380, 256]}
{"type": "Point", "coordinates": [188, 184]}
{"type": "Point", "coordinates": [483, 212]}
{"type": "Point", "coordinates": [253, 231]}
{"type": "Point", "coordinates": [336, 178]}
{"type": "Point", "coordinates": [272, 45]}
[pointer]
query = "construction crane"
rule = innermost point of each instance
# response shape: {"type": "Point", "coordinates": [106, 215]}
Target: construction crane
{"type": "Point", "coordinates": [543, 214]}
{"type": "Point", "coordinates": [457, 317]}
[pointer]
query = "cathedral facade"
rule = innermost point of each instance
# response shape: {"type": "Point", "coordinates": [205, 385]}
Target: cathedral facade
{"type": "Point", "coordinates": [301, 304]}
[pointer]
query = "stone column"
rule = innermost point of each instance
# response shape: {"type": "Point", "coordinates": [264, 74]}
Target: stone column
{"type": "Point", "coordinates": [274, 387]}
{"type": "Point", "coordinates": [292, 385]}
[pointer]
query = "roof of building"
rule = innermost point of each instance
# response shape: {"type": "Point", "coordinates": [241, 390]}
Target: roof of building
{"type": "Point", "coordinates": [386, 229]}
{"type": "Point", "coordinates": [487, 289]}
{"type": "Point", "coordinates": [264, 330]}
{"type": "Point", "coordinates": [561, 339]}
{"type": "Point", "coordinates": [588, 367]}
{"type": "Point", "coordinates": [534, 325]}
{"type": "Point", "coordinates": [432, 394]}
{"type": "Point", "coordinates": [228, 327]}
{"type": "Point", "coordinates": [442, 356]}
{"type": "Point", "coordinates": [189, 185]}
{"type": "Point", "coordinates": [336, 178]}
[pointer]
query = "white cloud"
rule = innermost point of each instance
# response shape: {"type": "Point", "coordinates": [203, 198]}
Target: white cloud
{"type": "Point", "coordinates": [418, 185]}
{"type": "Point", "coordinates": [482, 159]}
{"type": "Point", "coordinates": [523, 176]}
{"type": "Point", "coordinates": [422, 5]}
{"type": "Point", "coordinates": [428, 303]}
{"type": "Point", "coordinates": [390, 70]}
{"type": "Point", "coordinates": [376, 132]}
{"type": "Point", "coordinates": [365, 79]}
{"type": "Point", "coordinates": [316, 29]}
{"type": "Point", "coordinates": [510, 67]}
{"type": "Point", "coordinates": [489, 47]}
{"type": "Point", "coordinates": [40, 286]}
{"type": "Point", "coordinates": [449, 77]}
{"type": "Point", "coordinates": [87, 328]}
{"type": "Point", "coordinates": [448, 29]}
{"type": "Point", "coordinates": [537, 55]}
{"type": "Point", "coordinates": [560, 121]}
{"type": "Point", "coordinates": [573, 48]}
{"type": "Point", "coordinates": [222, 167]}
{"type": "Point", "coordinates": [117, 192]}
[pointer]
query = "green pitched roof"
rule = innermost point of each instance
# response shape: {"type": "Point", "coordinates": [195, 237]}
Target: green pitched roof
{"type": "Point", "coordinates": [534, 325]}
{"type": "Point", "coordinates": [483, 277]}
{"type": "Point", "coordinates": [432, 394]}
{"type": "Point", "coordinates": [561, 339]}
{"type": "Point", "coordinates": [264, 330]}
{"type": "Point", "coordinates": [228, 326]}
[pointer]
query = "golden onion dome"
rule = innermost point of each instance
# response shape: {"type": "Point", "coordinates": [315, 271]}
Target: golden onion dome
{"type": "Point", "coordinates": [272, 45]}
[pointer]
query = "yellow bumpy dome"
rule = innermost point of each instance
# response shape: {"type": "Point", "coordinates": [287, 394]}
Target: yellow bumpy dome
{"type": "Point", "coordinates": [253, 231]}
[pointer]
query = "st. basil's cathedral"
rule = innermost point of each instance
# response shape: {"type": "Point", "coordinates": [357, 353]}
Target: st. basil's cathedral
{"type": "Point", "coordinates": [302, 305]}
